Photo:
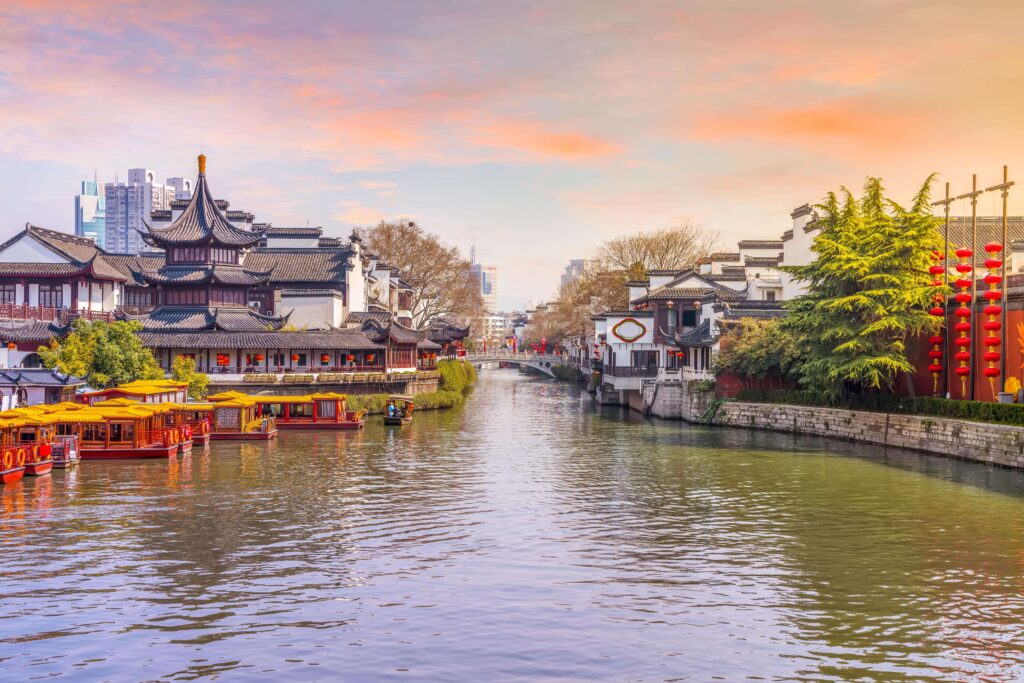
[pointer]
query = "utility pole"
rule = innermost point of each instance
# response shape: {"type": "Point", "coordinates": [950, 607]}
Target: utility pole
{"type": "Point", "coordinates": [973, 195]}
{"type": "Point", "coordinates": [945, 203]}
{"type": "Point", "coordinates": [1005, 191]}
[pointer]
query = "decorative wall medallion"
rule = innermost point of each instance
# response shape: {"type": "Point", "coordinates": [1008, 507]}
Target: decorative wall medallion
{"type": "Point", "coordinates": [629, 330]}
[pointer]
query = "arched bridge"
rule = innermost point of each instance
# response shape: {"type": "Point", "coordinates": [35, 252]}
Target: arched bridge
{"type": "Point", "coordinates": [537, 361]}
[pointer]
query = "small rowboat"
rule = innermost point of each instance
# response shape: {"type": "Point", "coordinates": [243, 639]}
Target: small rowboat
{"type": "Point", "coordinates": [399, 410]}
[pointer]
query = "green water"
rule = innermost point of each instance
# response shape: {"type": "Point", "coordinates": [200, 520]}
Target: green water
{"type": "Point", "coordinates": [525, 536]}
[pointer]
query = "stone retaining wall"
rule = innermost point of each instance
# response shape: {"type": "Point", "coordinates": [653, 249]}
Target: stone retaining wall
{"type": "Point", "coordinates": [996, 444]}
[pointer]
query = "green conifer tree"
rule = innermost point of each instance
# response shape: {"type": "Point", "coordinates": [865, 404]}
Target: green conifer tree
{"type": "Point", "coordinates": [868, 290]}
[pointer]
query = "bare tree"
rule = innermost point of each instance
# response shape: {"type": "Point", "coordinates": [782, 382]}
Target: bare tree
{"type": "Point", "coordinates": [668, 249]}
{"type": "Point", "coordinates": [442, 282]}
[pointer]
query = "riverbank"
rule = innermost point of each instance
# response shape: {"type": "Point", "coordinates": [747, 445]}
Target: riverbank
{"type": "Point", "coordinates": [454, 383]}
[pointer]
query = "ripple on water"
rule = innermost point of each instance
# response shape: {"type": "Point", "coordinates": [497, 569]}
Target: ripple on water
{"type": "Point", "coordinates": [526, 535]}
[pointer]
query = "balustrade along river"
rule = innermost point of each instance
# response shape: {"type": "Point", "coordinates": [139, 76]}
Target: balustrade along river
{"type": "Point", "coordinates": [527, 535]}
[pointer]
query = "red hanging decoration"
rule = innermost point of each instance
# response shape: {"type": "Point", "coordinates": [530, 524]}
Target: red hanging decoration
{"type": "Point", "coordinates": [938, 310]}
{"type": "Point", "coordinates": [993, 325]}
{"type": "Point", "coordinates": [963, 297]}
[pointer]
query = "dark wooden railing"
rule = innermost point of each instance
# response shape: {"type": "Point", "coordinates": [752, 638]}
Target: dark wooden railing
{"type": "Point", "coordinates": [48, 314]}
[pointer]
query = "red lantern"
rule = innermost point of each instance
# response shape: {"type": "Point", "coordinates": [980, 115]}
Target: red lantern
{"type": "Point", "coordinates": [964, 327]}
{"type": "Point", "coordinates": [11, 346]}
{"type": "Point", "coordinates": [370, 357]}
{"type": "Point", "coordinates": [260, 357]}
{"type": "Point", "coordinates": [350, 358]}
{"type": "Point", "coordinates": [324, 359]}
{"type": "Point", "coordinates": [994, 312]}
{"type": "Point", "coordinates": [295, 358]}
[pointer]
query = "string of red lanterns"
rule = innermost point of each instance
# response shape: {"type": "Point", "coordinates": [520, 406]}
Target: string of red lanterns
{"type": "Point", "coordinates": [993, 264]}
{"type": "Point", "coordinates": [938, 310]}
{"type": "Point", "coordinates": [963, 297]}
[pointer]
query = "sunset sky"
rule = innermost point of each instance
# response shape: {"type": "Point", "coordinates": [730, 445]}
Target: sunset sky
{"type": "Point", "coordinates": [537, 129]}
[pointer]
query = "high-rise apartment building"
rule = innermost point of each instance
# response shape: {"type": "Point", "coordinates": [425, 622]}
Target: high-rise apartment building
{"type": "Point", "coordinates": [488, 276]}
{"type": "Point", "coordinates": [90, 212]}
{"type": "Point", "coordinates": [573, 271]}
{"type": "Point", "coordinates": [128, 206]}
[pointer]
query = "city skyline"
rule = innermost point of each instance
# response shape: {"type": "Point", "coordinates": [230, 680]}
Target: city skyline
{"type": "Point", "coordinates": [727, 114]}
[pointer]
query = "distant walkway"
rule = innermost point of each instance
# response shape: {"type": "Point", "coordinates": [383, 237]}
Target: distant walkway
{"type": "Point", "coordinates": [542, 362]}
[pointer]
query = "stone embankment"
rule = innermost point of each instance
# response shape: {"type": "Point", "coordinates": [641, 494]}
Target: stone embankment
{"type": "Point", "coordinates": [978, 441]}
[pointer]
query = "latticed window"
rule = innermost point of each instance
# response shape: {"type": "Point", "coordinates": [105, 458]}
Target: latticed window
{"type": "Point", "coordinates": [51, 296]}
{"type": "Point", "coordinates": [8, 294]}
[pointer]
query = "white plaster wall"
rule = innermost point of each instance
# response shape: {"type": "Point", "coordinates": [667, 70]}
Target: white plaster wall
{"type": "Point", "coordinates": [19, 294]}
{"type": "Point", "coordinates": [108, 300]}
{"type": "Point", "coordinates": [33, 295]}
{"type": "Point", "coordinates": [313, 312]}
{"type": "Point", "coordinates": [27, 250]}
{"type": "Point", "coordinates": [66, 291]}
{"type": "Point", "coordinates": [356, 285]}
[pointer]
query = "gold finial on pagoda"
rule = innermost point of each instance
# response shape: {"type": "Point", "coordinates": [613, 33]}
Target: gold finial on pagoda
{"type": "Point", "coordinates": [202, 164]}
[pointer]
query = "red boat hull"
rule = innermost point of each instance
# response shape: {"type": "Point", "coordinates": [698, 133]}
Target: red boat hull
{"type": "Point", "coordinates": [320, 425]}
{"type": "Point", "coordinates": [186, 446]}
{"type": "Point", "coordinates": [128, 453]}
{"type": "Point", "coordinates": [201, 439]}
{"type": "Point", "coordinates": [38, 469]}
{"type": "Point", "coordinates": [247, 436]}
{"type": "Point", "coordinates": [12, 475]}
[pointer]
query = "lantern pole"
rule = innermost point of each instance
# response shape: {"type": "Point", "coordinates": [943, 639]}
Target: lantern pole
{"type": "Point", "coordinates": [973, 195]}
{"type": "Point", "coordinates": [1005, 188]}
{"type": "Point", "coordinates": [945, 203]}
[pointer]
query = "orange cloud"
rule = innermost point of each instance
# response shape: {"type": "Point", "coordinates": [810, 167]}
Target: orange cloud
{"type": "Point", "coordinates": [534, 140]}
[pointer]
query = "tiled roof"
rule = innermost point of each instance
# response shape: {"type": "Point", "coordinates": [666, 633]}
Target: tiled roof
{"type": "Point", "coordinates": [294, 232]}
{"type": "Point", "coordinates": [296, 264]}
{"type": "Point", "coordinates": [327, 340]}
{"type": "Point", "coordinates": [760, 244]}
{"type": "Point", "coordinates": [725, 256]}
{"type": "Point", "coordinates": [626, 314]}
{"type": "Point", "coordinates": [219, 273]}
{"type": "Point", "coordinates": [310, 292]}
{"type": "Point", "coordinates": [446, 331]}
{"type": "Point", "coordinates": [361, 317]}
{"type": "Point", "coordinates": [175, 318]}
{"type": "Point", "coordinates": [379, 332]}
{"type": "Point", "coordinates": [40, 268]}
{"type": "Point", "coordinates": [131, 266]}
{"type": "Point", "coordinates": [82, 254]}
{"type": "Point", "coordinates": [663, 272]}
{"type": "Point", "coordinates": [329, 242]}
{"type": "Point", "coordinates": [681, 293]}
{"type": "Point", "coordinates": [31, 331]}
{"type": "Point", "coordinates": [989, 228]}
{"type": "Point", "coordinates": [202, 221]}
{"type": "Point", "coordinates": [728, 277]}
{"type": "Point", "coordinates": [762, 260]}
{"type": "Point", "coordinates": [700, 336]}
{"type": "Point", "coordinates": [427, 344]}
{"type": "Point", "coordinates": [37, 377]}
{"type": "Point", "coordinates": [747, 308]}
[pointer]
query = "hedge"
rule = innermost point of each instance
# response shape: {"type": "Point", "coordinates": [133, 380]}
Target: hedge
{"type": "Point", "coordinates": [455, 379]}
{"type": "Point", "coordinates": [974, 411]}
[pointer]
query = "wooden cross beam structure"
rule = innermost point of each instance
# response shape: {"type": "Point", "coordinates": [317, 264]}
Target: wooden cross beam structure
{"type": "Point", "coordinates": [1004, 188]}
{"type": "Point", "coordinates": [973, 196]}
{"type": "Point", "coordinates": [945, 204]}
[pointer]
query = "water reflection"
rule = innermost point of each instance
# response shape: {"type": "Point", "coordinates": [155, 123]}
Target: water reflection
{"type": "Point", "coordinates": [525, 536]}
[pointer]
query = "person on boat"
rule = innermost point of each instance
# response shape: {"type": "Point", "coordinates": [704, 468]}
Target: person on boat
{"type": "Point", "coordinates": [391, 409]}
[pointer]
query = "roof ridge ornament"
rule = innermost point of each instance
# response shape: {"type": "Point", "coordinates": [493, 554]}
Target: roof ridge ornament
{"type": "Point", "coordinates": [202, 164]}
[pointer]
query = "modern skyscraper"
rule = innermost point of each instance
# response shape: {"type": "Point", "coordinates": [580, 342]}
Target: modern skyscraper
{"type": "Point", "coordinates": [488, 276]}
{"type": "Point", "coordinates": [573, 271]}
{"type": "Point", "coordinates": [129, 205]}
{"type": "Point", "coordinates": [90, 212]}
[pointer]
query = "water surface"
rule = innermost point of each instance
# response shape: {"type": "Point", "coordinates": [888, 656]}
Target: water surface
{"type": "Point", "coordinates": [526, 535]}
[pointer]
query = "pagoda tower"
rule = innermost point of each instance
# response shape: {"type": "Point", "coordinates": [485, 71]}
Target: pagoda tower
{"type": "Point", "coordinates": [203, 284]}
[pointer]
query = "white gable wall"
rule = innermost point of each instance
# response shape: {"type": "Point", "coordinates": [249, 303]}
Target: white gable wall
{"type": "Point", "coordinates": [28, 250]}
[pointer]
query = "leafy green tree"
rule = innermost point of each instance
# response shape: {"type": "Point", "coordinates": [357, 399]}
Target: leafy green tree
{"type": "Point", "coordinates": [105, 354]}
{"type": "Point", "coordinates": [183, 369]}
{"type": "Point", "coordinates": [868, 289]}
{"type": "Point", "coordinates": [755, 349]}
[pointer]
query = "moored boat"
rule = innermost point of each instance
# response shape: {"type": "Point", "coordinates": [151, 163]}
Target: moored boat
{"type": "Point", "coordinates": [236, 419]}
{"type": "Point", "coordinates": [311, 411]}
{"type": "Point", "coordinates": [10, 471]}
{"type": "Point", "coordinates": [399, 410]}
{"type": "Point", "coordinates": [121, 429]}
{"type": "Point", "coordinates": [39, 461]}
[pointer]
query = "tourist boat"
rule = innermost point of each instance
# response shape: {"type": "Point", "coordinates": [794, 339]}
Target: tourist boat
{"type": "Point", "coordinates": [236, 417]}
{"type": "Point", "coordinates": [121, 429]}
{"type": "Point", "coordinates": [142, 391]}
{"type": "Point", "coordinates": [399, 410]}
{"type": "Point", "coordinates": [65, 451]}
{"type": "Point", "coordinates": [313, 411]}
{"type": "Point", "coordinates": [197, 417]}
{"type": "Point", "coordinates": [12, 459]}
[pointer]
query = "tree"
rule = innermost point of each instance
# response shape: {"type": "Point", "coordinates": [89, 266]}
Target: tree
{"type": "Point", "coordinates": [442, 281]}
{"type": "Point", "coordinates": [183, 369]}
{"type": "Point", "coordinates": [755, 349]}
{"type": "Point", "coordinates": [868, 289]}
{"type": "Point", "coordinates": [667, 249]}
{"type": "Point", "coordinates": [105, 354]}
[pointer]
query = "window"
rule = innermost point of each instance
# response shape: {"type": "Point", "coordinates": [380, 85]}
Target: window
{"type": "Point", "coordinates": [134, 296]}
{"type": "Point", "coordinates": [769, 296]}
{"type": "Point", "coordinates": [645, 359]}
{"type": "Point", "coordinates": [301, 410]}
{"type": "Point", "coordinates": [221, 255]}
{"type": "Point", "coordinates": [8, 294]}
{"type": "Point", "coordinates": [231, 297]}
{"type": "Point", "coordinates": [185, 297]}
{"type": "Point", "coordinates": [51, 296]}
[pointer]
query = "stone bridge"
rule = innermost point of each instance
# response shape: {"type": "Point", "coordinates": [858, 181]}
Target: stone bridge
{"type": "Point", "coordinates": [537, 361]}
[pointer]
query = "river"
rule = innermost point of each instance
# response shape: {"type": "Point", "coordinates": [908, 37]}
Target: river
{"type": "Point", "coordinates": [525, 536]}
